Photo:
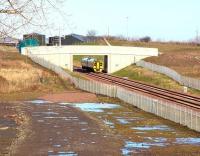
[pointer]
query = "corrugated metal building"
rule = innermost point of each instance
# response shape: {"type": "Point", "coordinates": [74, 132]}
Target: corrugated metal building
{"type": "Point", "coordinates": [71, 39]}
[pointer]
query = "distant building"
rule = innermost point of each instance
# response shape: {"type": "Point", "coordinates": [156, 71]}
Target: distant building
{"type": "Point", "coordinates": [69, 40]}
{"type": "Point", "coordinates": [9, 41]}
{"type": "Point", "coordinates": [54, 40]}
{"type": "Point", "coordinates": [41, 38]}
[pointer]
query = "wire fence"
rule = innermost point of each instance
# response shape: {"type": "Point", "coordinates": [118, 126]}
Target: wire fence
{"type": "Point", "coordinates": [167, 110]}
{"type": "Point", "coordinates": [183, 80]}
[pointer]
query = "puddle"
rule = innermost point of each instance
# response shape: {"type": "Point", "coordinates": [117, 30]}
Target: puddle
{"type": "Point", "coordinates": [95, 107]}
{"type": "Point", "coordinates": [109, 123]}
{"type": "Point", "coordinates": [192, 141]}
{"type": "Point", "coordinates": [64, 103]}
{"type": "Point", "coordinates": [157, 139]}
{"type": "Point", "coordinates": [123, 121]}
{"type": "Point", "coordinates": [128, 124]}
{"type": "Point", "coordinates": [51, 117]}
{"type": "Point", "coordinates": [93, 133]}
{"type": "Point", "coordinates": [39, 102]}
{"type": "Point", "coordinates": [135, 147]}
{"type": "Point", "coordinates": [46, 113]}
{"type": "Point", "coordinates": [83, 123]}
{"type": "Point", "coordinates": [152, 128]}
{"type": "Point", "coordinates": [56, 145]}
{"type": "Point", "coordinates": [70, 153]}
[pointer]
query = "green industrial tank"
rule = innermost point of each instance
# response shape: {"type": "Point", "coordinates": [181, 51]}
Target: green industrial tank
{"type": "Point", "coordinates": [28, 43]}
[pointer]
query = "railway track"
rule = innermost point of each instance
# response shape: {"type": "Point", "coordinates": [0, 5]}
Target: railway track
{"type": "Point", "coordinates": [172, 96]}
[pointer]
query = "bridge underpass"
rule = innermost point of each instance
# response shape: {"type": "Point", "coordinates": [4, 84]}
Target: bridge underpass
{"type": "Point", "coordinates": [117, 57]}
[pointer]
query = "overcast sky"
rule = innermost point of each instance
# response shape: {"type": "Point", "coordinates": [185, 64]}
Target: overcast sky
{"type": "Point", "coordinates": [160, 19]}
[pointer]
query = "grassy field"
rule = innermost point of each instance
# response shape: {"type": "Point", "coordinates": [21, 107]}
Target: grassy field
{"type": "Point", "coordinates": [20, 77]}
{"type": "Point", "coordinates": [184, 58]}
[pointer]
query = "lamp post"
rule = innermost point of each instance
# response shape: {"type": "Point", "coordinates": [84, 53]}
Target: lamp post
{"type": "Point", "coordinates": [127, 33]}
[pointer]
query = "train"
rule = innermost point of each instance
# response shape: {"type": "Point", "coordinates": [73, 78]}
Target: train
{"type": "Point", "coordinates": [92, 64]}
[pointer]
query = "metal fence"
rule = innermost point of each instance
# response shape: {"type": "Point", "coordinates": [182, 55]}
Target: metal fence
{"type": "Point", "coordinates": [176, 113]}
{"type": "Point", "coordinates": [183, 80]}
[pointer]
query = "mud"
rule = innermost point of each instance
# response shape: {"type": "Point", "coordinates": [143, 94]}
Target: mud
{"type": "Point", "coordinates": [59, 129]}
{"type": "Point", "coordinates": [10, 120]}
{"type": "Point", "coordinates": [73, 129]}
{"type": "Point", "coordinates": [142, 133]}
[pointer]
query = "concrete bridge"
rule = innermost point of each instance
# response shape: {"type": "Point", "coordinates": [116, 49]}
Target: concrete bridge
{"type": "Point", "coordinates": [115, 57]}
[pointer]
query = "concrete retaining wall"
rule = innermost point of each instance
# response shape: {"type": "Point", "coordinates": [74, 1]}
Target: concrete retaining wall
{"type": "Point", "coordinates": [183, 80]}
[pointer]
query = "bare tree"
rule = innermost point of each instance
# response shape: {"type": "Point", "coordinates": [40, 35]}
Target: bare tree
{"type": "Point", "coordinates": [18, 14]}
{"type": "Point", "coordinates": [91, 33]}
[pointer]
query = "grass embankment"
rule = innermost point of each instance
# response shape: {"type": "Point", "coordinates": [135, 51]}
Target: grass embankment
{"type": "Point", "coordinates": [144, 75]}
{"type": "Point", "coordinates": [183, 58]}
{"type": "Point", "coordinates": [20, 78]}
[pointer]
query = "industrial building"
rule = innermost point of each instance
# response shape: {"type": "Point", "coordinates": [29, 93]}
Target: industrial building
{"type": "Point", "coordinates": [71, 39]}
{"type": "Point", "coordinates": [39, 37]}
{"type": "Point", "coordinates": [9, 41]}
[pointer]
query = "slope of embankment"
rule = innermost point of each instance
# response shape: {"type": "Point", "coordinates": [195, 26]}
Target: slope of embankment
{"type": "Point", "coordinates": [20, 78]}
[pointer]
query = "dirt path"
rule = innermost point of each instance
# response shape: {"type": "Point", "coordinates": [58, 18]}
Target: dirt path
{"type": "Point", "coordinates": [58, 129]}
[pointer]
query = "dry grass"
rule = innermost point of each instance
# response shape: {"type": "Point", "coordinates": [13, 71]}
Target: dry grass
{"type": "Point", "coordinates": [19, 74]}
{"type": "Point", "coordinates": [8, 49]}
{"type": "Point", "coordinates": [184, 58]}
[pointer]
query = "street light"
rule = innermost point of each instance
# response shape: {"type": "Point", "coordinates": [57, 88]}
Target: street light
{"type": "Point", "coordinates": [127, 20]}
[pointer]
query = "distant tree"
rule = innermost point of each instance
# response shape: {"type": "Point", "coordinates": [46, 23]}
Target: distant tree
{"type": "Point", "coordinates": [91, 33]}
{"type": "Point", "coordinates": [145, 39]}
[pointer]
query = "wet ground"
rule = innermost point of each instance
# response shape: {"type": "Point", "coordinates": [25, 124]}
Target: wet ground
{"type": "Point", "coordinates": [143, 133]}
{"type": "Point", "coordinates": [10, 119]}
{"type": "Point", "coordinates": [70, 129]}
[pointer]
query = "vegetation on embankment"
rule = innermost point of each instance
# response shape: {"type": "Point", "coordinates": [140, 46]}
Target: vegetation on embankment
{"type": "Point", "coordinates": [21, 78]}
{"type": "Point", "coordinates": [147, 76]}
{"type": "Point", "coordinates": [182, 57]}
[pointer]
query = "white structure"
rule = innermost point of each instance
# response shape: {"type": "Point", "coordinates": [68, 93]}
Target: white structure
{"type": "Point", "coordinates": [118, 57]}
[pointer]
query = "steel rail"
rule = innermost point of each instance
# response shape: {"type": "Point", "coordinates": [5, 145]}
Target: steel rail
{"type": "Point", "coordinates": [150, 92]}
{"type": "Point", "coordinates": [157, 88]}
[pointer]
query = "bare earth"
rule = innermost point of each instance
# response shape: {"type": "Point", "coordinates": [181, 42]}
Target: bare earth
{"type": "Point", "coordinates": [70, 96]}
{"type": "Point", "coordinates": [64, 134]}
{"type": "Point", "coordinates": [54, 128]}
